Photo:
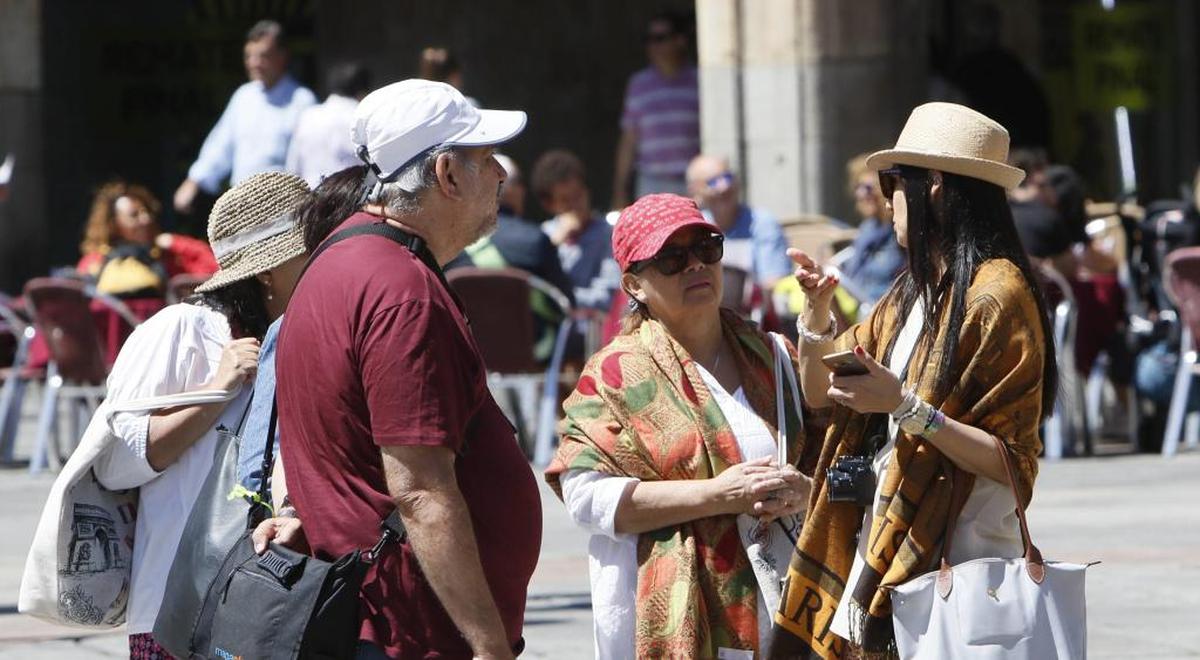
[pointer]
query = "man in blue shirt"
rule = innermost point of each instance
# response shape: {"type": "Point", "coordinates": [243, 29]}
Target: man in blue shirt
{"type": "Point", "coordinates": [754, 241]}
{"type": "Point", "coordinates": [256, 128]}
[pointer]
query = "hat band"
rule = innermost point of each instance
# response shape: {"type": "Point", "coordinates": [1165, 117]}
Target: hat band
{"type": "Point", "coordinates": [223, 247]}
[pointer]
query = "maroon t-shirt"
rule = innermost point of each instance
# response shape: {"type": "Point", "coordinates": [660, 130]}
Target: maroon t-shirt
{"type": "Point", "coordinates": [374, 352]}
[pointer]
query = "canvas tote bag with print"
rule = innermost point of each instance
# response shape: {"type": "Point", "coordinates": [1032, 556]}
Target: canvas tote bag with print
{"type": "Point", "coordinates": [1012, 609]}
{"type": "Point", "coordinates": [78, 569]}
{"type": "Point", "coordinates": [769, 547]}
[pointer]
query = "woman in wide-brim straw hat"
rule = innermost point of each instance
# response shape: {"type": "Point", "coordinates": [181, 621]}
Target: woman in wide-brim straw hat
{"type": "Point", "coordinates": [209, 342]}
{"type": "Point", "coordinates": [957, 353]}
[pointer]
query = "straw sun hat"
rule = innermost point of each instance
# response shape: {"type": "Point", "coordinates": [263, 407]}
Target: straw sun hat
{"type": "Point", "coordinates": [952, 138]}
{"type": "Point", "coordinates": [252, 227]}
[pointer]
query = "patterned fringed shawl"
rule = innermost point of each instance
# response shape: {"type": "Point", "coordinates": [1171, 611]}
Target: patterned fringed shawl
{"type": "Point", "coordinates": [642, 410]}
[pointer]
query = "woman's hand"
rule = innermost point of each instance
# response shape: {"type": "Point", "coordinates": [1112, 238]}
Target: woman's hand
{"type": "Point", "coordinates": [818, 286]}
{"type": "Point", "coordinates": [239, 364]}
{"type": "Point", "coordinates": [876, 392]}
{"type": "Point", "coordinates": [788, 501]}
{"type": "Point", "coordinates": [740, 487]}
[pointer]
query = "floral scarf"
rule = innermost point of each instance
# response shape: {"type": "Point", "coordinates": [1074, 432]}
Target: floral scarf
{"type": "Point", "coordinates": [642, 410]}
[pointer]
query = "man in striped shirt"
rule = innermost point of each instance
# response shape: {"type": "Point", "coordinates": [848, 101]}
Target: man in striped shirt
{"type": "Point", "coordinates": [660, 124]}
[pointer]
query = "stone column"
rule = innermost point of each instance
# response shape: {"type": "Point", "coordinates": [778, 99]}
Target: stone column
{"type": "Point", "coordinates": [821, 80]}
{"type": "Point", "coordinates": [719, 37]}
{"type": "Point", "coordinates": [23, 225]}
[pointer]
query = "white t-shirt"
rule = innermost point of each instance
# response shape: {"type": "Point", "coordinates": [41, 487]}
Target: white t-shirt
{"type": "Point", "coordinates": [321, 143]}
{"type": "Point", "coordinates": [592, 498]}
{"type": "Point", "coordinates": [987, 526]}
{"type": "Point", "coordinates": [176, 350]}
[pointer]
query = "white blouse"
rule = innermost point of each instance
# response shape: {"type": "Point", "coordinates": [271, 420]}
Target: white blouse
{"type": "Point", "coordinates": [592, 499]}
{"type": "Point", "coordinates": [987, 526]}
{"type": "Point", "coordinates": [176, 350]}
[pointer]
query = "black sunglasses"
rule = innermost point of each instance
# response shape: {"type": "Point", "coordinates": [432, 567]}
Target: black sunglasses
{"type": "Point", "coordinates": [892, 179]}
{"type": "Point", "coordinates": [672, 259]}
{"type": "Point", "coordinates": [658, 37]}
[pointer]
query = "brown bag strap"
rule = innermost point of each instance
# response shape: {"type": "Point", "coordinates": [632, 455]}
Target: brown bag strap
{"type": "Point", "coordinates": [1034, 565]}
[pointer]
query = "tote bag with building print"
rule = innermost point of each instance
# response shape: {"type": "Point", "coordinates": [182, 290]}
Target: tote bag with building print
{"type": "Point", "coordinates": [78, 569]}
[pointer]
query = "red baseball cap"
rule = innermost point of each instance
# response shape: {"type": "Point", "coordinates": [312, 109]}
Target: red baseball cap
{"type": "Point", "coordinates": [646, 225]}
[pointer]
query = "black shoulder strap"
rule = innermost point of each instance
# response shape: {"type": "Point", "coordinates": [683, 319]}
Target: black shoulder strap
{"type": "Point", "coordinates": [414, 243]}
{"type": "Point", "coordinates": [392, 528]}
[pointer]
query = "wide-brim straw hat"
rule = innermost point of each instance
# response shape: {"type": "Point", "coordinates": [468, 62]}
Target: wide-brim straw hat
{"type": "Point", "coordinates": [952, 138]}
{"type": "Point", "coordinates": [252, 227]}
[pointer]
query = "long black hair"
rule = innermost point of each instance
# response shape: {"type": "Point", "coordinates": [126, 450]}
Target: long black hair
{"type": "Point", "coordinates": [970, 223]}
{"type": "Point", "coordinates": [338, 197]}
{"type": "Point", "coordinates": [242, 302]}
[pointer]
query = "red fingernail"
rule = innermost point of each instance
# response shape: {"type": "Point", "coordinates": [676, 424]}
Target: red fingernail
{"type": "Point", "coordinates": [858, 350]}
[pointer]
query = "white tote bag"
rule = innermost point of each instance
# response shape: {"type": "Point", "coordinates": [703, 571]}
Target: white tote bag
{"type": "Point", "coordinates": [769, 547]}
{"type": "Point", "coordinates": [1010, 609]}
{"type": "Point", "coordinates": [78, 570]}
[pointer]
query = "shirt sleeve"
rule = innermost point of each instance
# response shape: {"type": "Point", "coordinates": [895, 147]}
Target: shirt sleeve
{"type": "Point", "coordinates": [216, 155]}
{"type": "Point", "coordinates": [421, 377]}
{"type": "Point", "coordinates": [294, 162]}
{"type": "Point", "coordinates": [168, 354]}
{"type": "Point", "coordinates": [599, 291]}
{"type": "Point", "coordinates": [192, 256]}
{"type": "Point", "coordinates": [550, 268]}
{"type": "Point", "coordinates": [89, 264]}
{"type": "Point", "coordinates": [770, 248]}
{"type": "Point", "coordinates": [592, 499]}
{"type": "Point", "coordinates": [630, 114]}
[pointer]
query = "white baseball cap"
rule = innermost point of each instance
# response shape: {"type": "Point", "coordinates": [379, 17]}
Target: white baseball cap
{"type": "Point", "coordinates": [395, 124]}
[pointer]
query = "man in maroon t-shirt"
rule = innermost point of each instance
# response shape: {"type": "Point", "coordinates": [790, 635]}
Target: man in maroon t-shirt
{"type": "Point", "coordinates": [383, 398]}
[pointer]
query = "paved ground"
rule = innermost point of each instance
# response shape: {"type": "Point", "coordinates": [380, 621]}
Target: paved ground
{"type": "Point", "coordinates": [1134, 513]}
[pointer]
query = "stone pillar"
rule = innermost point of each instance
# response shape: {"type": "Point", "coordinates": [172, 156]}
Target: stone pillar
{"type": "Point", "coordinates": [23, 225]}
{"type": "Point", "coordinates": [718, 34]}
{"type": "Point", "coordinates": [821, 80]}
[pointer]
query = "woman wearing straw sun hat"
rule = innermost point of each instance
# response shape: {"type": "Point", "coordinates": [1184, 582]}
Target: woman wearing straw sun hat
{"type": "Point", "coordinates": [209, 342]}
{"type": "Point", "coordinates": [956, 355]}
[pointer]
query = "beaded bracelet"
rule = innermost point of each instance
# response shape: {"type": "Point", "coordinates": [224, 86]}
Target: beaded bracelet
{"type": "Point", "coordinates": [923, 420]}
{"type": "Point", "coordinates": [936, 423]}
{"type": "Point", "coordinates": [908, 403]}
{"type": "Point", "coordinates": [811, 337]}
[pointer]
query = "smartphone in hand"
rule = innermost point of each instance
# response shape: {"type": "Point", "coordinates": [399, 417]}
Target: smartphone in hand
{"type": "Point", "coordinates": [845, 363]}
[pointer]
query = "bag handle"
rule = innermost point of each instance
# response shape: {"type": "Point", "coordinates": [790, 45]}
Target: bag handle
{"type": "Point", "coordinates": [1034, 564]}
{"type": "Point", "coordinates": [171, 401]}
{"type": "Point", "coordinates": [783, 366]}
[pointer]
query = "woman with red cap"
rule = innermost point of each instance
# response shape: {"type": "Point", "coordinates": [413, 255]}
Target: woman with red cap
{"type": "Point", "coordinates": [668, 452]}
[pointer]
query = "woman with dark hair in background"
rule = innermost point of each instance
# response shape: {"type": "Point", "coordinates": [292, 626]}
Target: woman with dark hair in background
{"type": "Point", "coordinates": [210, 342]}
{"type": "Point", "coordinates": [966, 329]}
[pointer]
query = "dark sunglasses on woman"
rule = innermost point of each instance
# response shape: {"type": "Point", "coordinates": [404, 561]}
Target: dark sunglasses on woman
{"type": "Point", "coordinates": [672, 259]}
{"type": "Point", "coordinates": [891, 178]}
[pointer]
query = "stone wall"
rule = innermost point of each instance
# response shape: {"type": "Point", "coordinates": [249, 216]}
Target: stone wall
{"type": "Point", "coordinates": [23, 235]}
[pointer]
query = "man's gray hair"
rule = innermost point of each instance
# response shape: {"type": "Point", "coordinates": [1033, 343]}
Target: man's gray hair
{"type": "Point", "coordinates": [403, 194]}
{"type": "Point", "coordinates": [267, 29]}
